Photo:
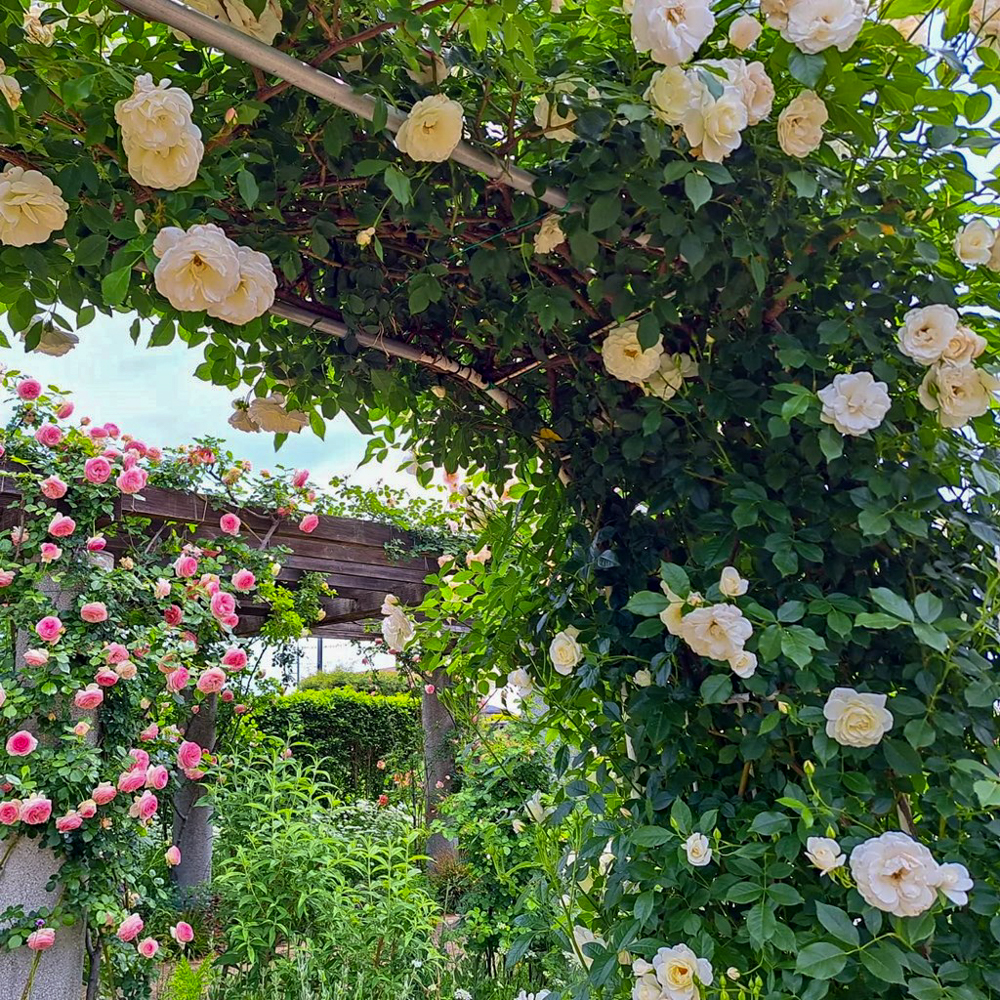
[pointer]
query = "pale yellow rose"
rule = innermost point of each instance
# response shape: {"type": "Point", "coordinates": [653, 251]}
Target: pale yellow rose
{"type": "Point", "coordinates": [198, 268]}
{"type": "Point", "coordinates": [731, 584]}
{"type": "Point", "coordinates": [432, 129]}
{"type": "Point", "coordinates": [31, 207]}
{"type": "Point", "coordinates": [10, 90]}
{"type": "Point", "coordinates": [254, 292]}
{"type": "Point", "coordinates": [958, 392]}
{"type": "Point", "coordinates": [974, 242]}
{"type": "Point", "coordinates": [565, 652]}
{"type": "Point", "coordinates": [625, 358]}
{"type": "Point", "coordinates": [744, 32]}
{"type": "Point", "coordinates": [549, 235]}
{"type": "Point", "coordinates": [698, 851]}
{"type": "Point", "coordinates": [825, 854]}
{"type": "Point", "coordinates": [856, 719]}
{"type": "Point", "coordinates": [800, 125]}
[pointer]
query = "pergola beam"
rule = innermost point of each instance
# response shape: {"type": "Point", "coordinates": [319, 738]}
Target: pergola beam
{"type": "Point", "coordinates": [269, 59]}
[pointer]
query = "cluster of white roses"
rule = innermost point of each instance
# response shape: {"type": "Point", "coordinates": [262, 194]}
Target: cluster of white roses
{"type": "Point", "coordinates": [32, 208]}
{"type": "Point", "coordinates": [674, 974]}
{"type": "Point", "coordinates": [432, 129]}
{"type": "Point", "coordinates": [237, 14]}
{"type": "Point", "coordinates": [163, 145]}
{"type": "Point", "coordinates": [894, 873]}
{"type": "Point", "coordinates": [397, 629]}
{"type": "Point", "coordinates": [935, 337]}
{"type": "Point", "coordinates": [715, 631]}
{"type": "Point", "coordinates": [658, 373]}
{"type": "Point", "coordinates": [815, 25]}
{"type": "Point", "coordinates": [201, 269]}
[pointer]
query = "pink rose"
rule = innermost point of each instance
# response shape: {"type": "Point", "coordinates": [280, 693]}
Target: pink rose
{"type": "Point", "coordinates": [36, 810]}
{"type": "Point", "coordinates": [194, 773]}
{"type": "Point", "coordinates": [300, 478]}
{"type": "Point", "coordinates": [54, 488]}
{"type": "Point", "coordinates": [309, 524]}
{"type": "Point", "coordinates": [240, 709]}
{"type": "Point", "coordinates": [230, 621]}
{"type": "Point", "coordinates": [140, 757]}
{"type": "Point", "coordinates": [29, 389]}
{"type": "Point", "coordinates": [21, 744]}
{"type": "Point", "coordinates": [49, 628]}
{"type": "Point", "coordinates": [97, 544]}
{"type": "Point", "coordinates": [112, 430]}
{"type": "Point", "coordinates": [10, 812]}
{"type": "Point", "coordinates": [61, 526]}
{"type": "Point", "coordinates": [43, 938]}
{"type": "Point", "coordinates": [161, 588]}
{"type": "Point", "coordinates": [104, 793]}
{"type": "Point", "coordinates": [173, 615]}
{"type": "Point", "coordinates": [115, 652]}
{"type": "Point", "coordinates": [130, 928]}
{"type": "Point", "coordinates": [48, 435]}
{"type": "Point", "coordinates": [229, 524]}
{"type": "Point", "coordinates": [148, 947]}
{"type": "Point", "coordinates": [186, 566]}
{"type": "Point", "coordinates": [181, 932]}
{"type": "Point", "coordinates": [48, 552]}
{"type": "Point", "coordinates": [88, 698]}
{"type": "Point", "coordinates": [7, 577]}
{"type": "Point", "coordinates": [131, 781]}
{"type": "Point", "coordinates": [212, 680]}
{"type": "Point", "coordinates": [227, 695]}
{"type": "Point", "coordinates": [144, 807]}
{"type": "Point", "coordinates": [178, 679]}
{"type": "Point", "coordinates": [234, 658]}
{"type": "Point", "coordinates": [94, 612]}
{"type": "Point", "coordinates": [71, 821]}
{"type": "Point", "coordinates": [127, 670]}
{"type": "Point", "coordinates": [97, 470]}
{"type": "Point", "coordinates": [172, 856]}
{"type": "Point", "coordinates": [97, 433]}
{"type": "Point", "coordinates": [19, 535]}
{"type": "Point", "coordinates": [65, 411]}
{"type": "Point", "coordinates": [106, 677]}
{"type": "Point", "coordinates": [429, 689]}
{"type": "Point", "coordinates": [188, 755]}
{"type": "Point", "coordinates": [81, 729]}
{"type": "Point", "coordinates": [87, 808]}
{"type": "Point", "coordinates": [130, 461]}
{"type": "Point", "coordinates": [157, 777]}
{"type": "Point", "coordinates": [222, 605]}
{"type": "Point", "coordinates": [244, 580]}
{"type": "Point", "coordinates": [150, 732]}
{"type": "Point", "coordinates": [36, 657]}
{"type": "Point", "coordinates": [131, 480]}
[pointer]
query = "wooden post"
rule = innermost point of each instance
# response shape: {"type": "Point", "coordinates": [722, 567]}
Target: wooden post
{"type": "Point", "coordinates": [439, 762]}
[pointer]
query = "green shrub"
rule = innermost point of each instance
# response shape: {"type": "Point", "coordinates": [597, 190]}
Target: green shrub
{"type": "Point", "coordinates": [348, 732]}
{"type": "Point", "coordinates": [370, 681]}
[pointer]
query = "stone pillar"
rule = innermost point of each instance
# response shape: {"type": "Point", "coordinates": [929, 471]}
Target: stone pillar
{"type": "Point", "coordinates": [439, 762]}
{"type": "Point", "coordinates": [28, 880]}
{"type": "Point", "coordinates": [193, 823]}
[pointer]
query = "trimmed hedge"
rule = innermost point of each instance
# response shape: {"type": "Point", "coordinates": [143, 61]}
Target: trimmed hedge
{"type": "Point", "coordinates": [348, 732]}
{"type": "Point", "coordinates": [379, 681]}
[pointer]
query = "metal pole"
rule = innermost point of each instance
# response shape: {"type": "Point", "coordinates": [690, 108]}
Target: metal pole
{"type": "Point", "coordinates": [315, 81]}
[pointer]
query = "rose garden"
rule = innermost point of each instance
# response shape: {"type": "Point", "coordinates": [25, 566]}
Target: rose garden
{"type": "Point", "coordinates": [671, 661]}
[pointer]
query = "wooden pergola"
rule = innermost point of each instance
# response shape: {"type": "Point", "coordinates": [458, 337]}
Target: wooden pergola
{"type": "Point", "coordinates": [351, 554]}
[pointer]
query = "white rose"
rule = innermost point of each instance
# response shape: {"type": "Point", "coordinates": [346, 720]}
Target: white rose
{"type": "Point", "coordinates": [669, 377]}
{"type": "Point", "coordinates": [272, 415]}
{"type": "Point", "coordinates": [896, 874]}
{"type": "Point", "coordinates": [156, 115]}
{"type": "Point", "coordinates": [671, 31]}
{"type": "Point", "coordinates": [715, 124]}
{"type": "Point", "coordinates": [926, 333]}
{"type": "Point", "coordinates": [389, 604]}
{"type": "Point", "coordinates": [744, 31]}
{"type": "Point", "coordinates": [264, 28]}
{"type": "Point", "coordinates": [549, 235]}
{"type": "Point", "coordinates": [744, 664]}
{"type": "Point", "coordinates": [432, 129]}
{"type": "Point", "coordinates": [815, 25]}
{"type": "Point", "coordinates": [679, 971]}
{"type": "Point", "coordinates": [54, 342]}
{"type": "Point", "coordinates": [698, 851]}
{"type": "Point", "coordinates": [856, 719]}
{"type": "Point", "coordinates": [775, 13]}
{"type": "Point", "coordinates": [642, 678]}
{"type": "Point", "coordinates": [646, 987]}
{"type": "Point", "coordinates": [37, 32]}
{"type": "Point", "coordinates": [671, 93]}
{"type": "Point", "coordinates": [964, 346]}
{"type": "Point", "coordinates": [800, 125]}
{"type": "Point", "coordinates": [254, 293]}
{"type": "Point", "coordinates": [731, 584]}
{"type": "Point", "coordinates": [520, 679]}
{"type": "Point", "coordinates": [854, 403]}
{"type": "Point", "coordinates": [168, 167]}
{"type": "Point", "coordinates": [198, 268]}
{"type": "Point", "coordinates": [553, 118]}
{"type": "Point", "coordinates": [433, 69]}
{"type": "Point", "coordinates": [673, 617]}
{"type": "Point", "coordinates": [994, 262]}
{"type": "Point", "coordinates": [397, 630]}
{"type": "Point", "coordinates": [564, 651]}
{"type": "Point", "coordinates": [752, 82]}
{"type": "Point", "coordinates": [825, 854]}
{"type": "Point", "coordinates": [583, 936]}
{"type": "Point", "coordinates": [915, 28]}
{"type": "Point", "coordinates": [517, 826]}
{"type": "Point", "coordinates": [954, 882]}
{"type": "Point", "coordinates": [240, 419]}
{"type": "Point", "coordinates": [958, 392]}
{"type": "Point", "coordinates": [717, 631]}
{"type": "Point", "coordinates": [31, 207]}
{"type": "Point", "coordinates": [974, 242]}
{"type": "Point", "coordinates": [625, 358]}
{"type": "Point", "coordinates": [10, 89]}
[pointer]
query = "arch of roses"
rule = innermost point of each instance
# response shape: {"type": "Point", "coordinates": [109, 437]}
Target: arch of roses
{"type": "Point", "coordinates": [726, 336]}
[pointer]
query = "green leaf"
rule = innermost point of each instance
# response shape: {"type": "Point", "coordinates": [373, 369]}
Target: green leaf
{"type": "Point", "coordinates": [114, 286]}
{"type": "Point", "coordinates": [675, 578]}
{"type": "Point", "coordinates": [807, 69]}
{"type": "Point", "coordinates": [90, 250]}
{"type": "Point", "coordinates": [892, 602]}
{"type": "Point", "coordinates": [876, 620]}
{"type": "Point", "coordinates": [716, 688]}
{"type": "Point", "coordinates": [931, 636]}
{"type": "Point", "coordinates": [247, 184]}
{"type": "Point", "coordinates": [901, 757]}
{"type": "Point", "coordinates": [698, 189]}
{"type": "Point", "coordinates": [838, 923]}
{"type": "Point", "coordinates": [604, 212]}
{"type": "Point", "coordinates": [770, 823]}
{"type": "Point", "coordinates": [884, 962]}
{"type": "Point", "coordinates": [646, 602]}
{"type": "Point", "coordinates": [929, 607]}
{"type": "Point", "coordinates": [822, 960]}
{"type": "Point", "coordinates": [831, 443]}
{"type": "Point", "coordinates": [873, 522]}
{"type": "Point", "coordinates": [399, 184]}
{"type": "Point", "coordinates": [649, 332]}
{"type": "Point", "coordinates": [651, 836]}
